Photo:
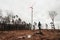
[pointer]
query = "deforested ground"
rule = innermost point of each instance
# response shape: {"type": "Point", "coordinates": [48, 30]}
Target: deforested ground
{"type": "Point", "coordinates": [30, 35]}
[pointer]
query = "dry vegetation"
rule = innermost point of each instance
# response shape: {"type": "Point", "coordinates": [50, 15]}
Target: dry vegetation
{"type": "Point", "coordinates": [23, 35]}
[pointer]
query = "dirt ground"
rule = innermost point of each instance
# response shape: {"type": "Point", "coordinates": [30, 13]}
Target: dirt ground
{"type": "Point", "coordinates": [30, 35]}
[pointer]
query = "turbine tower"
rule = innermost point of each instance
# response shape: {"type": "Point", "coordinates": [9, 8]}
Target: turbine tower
{"type": "Point", "coordinates": [31, 17]}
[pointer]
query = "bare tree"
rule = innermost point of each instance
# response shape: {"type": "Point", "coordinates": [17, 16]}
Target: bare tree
{"type": "Point", "coordinates": [34, 25]}
{"type": "Point", "coordinates": [52, 15]}
{"type": "Point", "coordinates": [29, 26]}
{"type": "Point", "coordinates": [0, 12]}
{"type": "Point", "coordinates": [1, 15]}
{"type": "Point", "coordinates": [9, 16]}
{"type": "Point", "coordinates": [46, 26]}
{"type": "Point", "coordinates": [19, 20]}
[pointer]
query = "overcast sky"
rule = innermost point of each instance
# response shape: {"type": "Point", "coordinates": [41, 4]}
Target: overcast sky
{"type": "Point", "coordinates": [40, 8]}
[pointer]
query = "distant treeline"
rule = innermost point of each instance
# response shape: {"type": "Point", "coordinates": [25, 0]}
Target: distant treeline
{"type": "Point", "coordinates": [7, 27]}
{"type": "Point", "coordinates": [12, 22]}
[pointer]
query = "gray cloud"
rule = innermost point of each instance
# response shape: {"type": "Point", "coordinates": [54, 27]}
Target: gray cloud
{"type": "Point", "coordinates": [41, 8]}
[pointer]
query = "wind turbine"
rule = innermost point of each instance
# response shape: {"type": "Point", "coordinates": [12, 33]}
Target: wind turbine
{"type": "Point", "coordinates": [32, 16]}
